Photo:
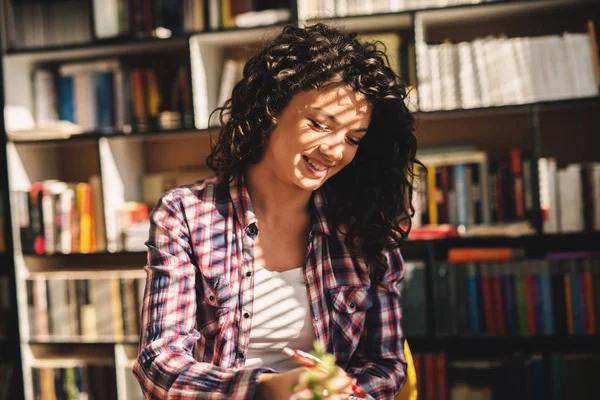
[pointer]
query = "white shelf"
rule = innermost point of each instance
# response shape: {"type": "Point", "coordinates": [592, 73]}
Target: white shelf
{"type": "Point", "coordinates": [491, 11]}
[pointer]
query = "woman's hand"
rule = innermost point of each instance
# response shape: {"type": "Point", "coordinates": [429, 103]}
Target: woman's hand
{"type": "Point", "coordinates": [315, 383]}
{"type": "Point", "coordinates": [305, 384]}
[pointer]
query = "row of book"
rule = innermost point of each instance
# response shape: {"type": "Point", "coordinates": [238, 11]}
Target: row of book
{"type": "Point", "coordinates": [569, 197]}
{"type": "Point", "coordinates": [66, 218]}
{"type": "Point", "coordinates": [41, 23]}
{"type": "Point", "coordinates": [342, 8]}
{"type": "Point", "coordinates": [496, 71]}
{"type": "Point", "coordinates": [163, 18]}
{"type": "Point", "coordinates": [60, 217]}
{"type": "Point", "coordinates": [108, 96]}
{"type": "Point", "coordinates": [556, 296]}
{"type": "Point", "coordinates": [90, 309]}
{"type": "Point", "coordinates": [464, 188]}
{"type": "Point", "coordinates": [47, 23]}
{"type": "Point", "coordinates": [553, 376]}
{"type": "Point", "coordinates": [85, 381]}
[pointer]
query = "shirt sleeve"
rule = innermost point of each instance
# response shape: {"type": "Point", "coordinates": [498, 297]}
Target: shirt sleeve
{"type": "Point", "coordinates": [165, 367]}
{"type": "Point", "coordinates": [378, 363]}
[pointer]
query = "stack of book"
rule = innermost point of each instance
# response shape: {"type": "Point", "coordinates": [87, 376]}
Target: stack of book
{"type": "Point", "coordinates": [84, 309]}
{"type": "Point", "coordinates": [532, 377]}
{"type": "Point", "coordinates": [60, 217]}
{"type": "Point", "coordinates": [497, 71]}
{"type": "Point", "coordinates": [512, 296]}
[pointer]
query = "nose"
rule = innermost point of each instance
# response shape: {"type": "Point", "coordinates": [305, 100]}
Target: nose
{"type": "Point", "coordinates": [333, 148]}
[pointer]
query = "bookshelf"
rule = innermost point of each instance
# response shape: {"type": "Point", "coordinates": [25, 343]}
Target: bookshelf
{"type": "Point", "coordinates": [11, 382]}
{"type": "Point", "coordinates": [124, 167]}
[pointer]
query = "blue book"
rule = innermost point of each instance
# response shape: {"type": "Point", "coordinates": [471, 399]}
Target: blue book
{"type": "Point", "coordinates": [103, 83]}
{"type": "Point", "coordinates": [537, 302]}
{"type": "Point", "coordinates": [537, 378]}
{"type": "Point", "coordinates": [547, 308]}
{"type": "Point", "coordinates": [462, 199]}
{"type": "Point", "coordinates": [66, 99]}
{"type": "Point", "coordinates": [473, 289]}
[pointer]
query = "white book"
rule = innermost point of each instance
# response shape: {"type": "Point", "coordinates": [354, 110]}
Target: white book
{"type": "Point", "coordinates": [510, 86]}
{"type": "Point", "coordinates": [547, 187]}
{"type": "Point", "coordinates": [59, 308]}
{"type": "Point", "coordinates": [482, 71]}
{"type": "Point", "coordinates": [67, 199]}
{"type": "Point", "coordinates": [228, 80]}
{"type": "Point", "coordinates": [106, 18]}
{"type": "Point", "coordinates": [523, 61]}
{"type": "Point", "coordinates": [554, 211]}
{"type": "Point", "coordinates": [493, 66]}
{"type": "Point", "coordinates": [424, 77]}
{"type": "Point", "coordinates": [586, 65]}
{"type": "Point", "coordinates": [561, 68]}
{"type": "Point", "coordinates": [540, 69]}
{"type": "Point", "coordinates": [450, 88]}
{"type": "Point", "coordinates": [571, 199]}
{"type": "Point", "coordinates": [436, 77]}
{"type": "Point", "coordinates": [470, 94]}
{"type": "Point", "coordinates": [45, 97]}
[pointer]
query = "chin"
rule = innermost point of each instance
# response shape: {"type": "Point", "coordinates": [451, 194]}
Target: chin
{"type": "Point", "coordinates": [310, 185]}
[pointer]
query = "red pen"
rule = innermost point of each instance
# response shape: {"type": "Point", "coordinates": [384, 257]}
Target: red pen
{"type": "Point", "coordinates": [308, 360]}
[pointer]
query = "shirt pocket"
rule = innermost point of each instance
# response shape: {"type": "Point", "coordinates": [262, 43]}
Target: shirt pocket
{"type": "Point", "coordinates": [214, 304]}
{"type": "Point", "coordinates": [349, 308]}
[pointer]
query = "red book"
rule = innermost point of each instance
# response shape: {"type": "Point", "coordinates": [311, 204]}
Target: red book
{"type": "Point", "coordinates": [488, 308]}
{"type": "Point", "coordinates": [441, 377]}
{"type": "Point", "coordinates": [529, 304]}
{"type": "Point", "coordinates": [479, 254]}
{"type": "Point", "coordinates": [498, 302]}
{"type": "Point", "coordinates": [445, 186]}
{"type": "Point", "coordinates": [589, 298]}
{"type": "Point", "coordinates": [429, 362]}
{"type": "Point", "coordinates": [418, 362]}
{"type": "Point", "coordinates": [516, 171]}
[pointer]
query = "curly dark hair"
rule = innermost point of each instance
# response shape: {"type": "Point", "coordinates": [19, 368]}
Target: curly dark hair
{"type": "Point", "coordinates": [370, 197]}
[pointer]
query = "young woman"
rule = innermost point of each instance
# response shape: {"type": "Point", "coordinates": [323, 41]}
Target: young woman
{"type": "Point", "coordinates": [297, 237]}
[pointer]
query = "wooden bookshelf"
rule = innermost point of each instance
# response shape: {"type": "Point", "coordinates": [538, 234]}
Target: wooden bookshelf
{"type": "Point", "coordinates": [564, 129]}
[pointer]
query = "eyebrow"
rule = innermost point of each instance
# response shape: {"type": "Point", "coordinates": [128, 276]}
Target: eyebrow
{"type": "Point", "coordinates": [335, 120]}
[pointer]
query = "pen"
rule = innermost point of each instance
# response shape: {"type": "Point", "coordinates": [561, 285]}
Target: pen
{"type": "Point", "coordinates": [308, 360]}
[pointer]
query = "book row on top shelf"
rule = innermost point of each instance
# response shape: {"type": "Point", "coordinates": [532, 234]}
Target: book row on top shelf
{"type": "Point", "coordinates": [40, 24]}
{"type": "Point", "coordinates": [64, 23]}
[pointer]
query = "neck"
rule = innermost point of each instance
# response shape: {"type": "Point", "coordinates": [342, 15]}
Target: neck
{"type": "Point", "coordinates": [273, 199]}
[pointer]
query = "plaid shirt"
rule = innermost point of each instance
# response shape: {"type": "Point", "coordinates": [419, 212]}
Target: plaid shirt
{"type": "Point", "coordinates": [197, 311]}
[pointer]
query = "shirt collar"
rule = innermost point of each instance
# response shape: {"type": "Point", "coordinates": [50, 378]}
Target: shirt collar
{"type": "Point", "coordinates": [241, 201]}
{"type": "Point", "coordinates": [245, 213]}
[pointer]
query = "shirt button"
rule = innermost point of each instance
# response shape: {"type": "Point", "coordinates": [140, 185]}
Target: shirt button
{"type": "Point", "coordinates": [246, 315]}
{"type": "Point", "coordinates": [241, 355]}
{"type": "Point", "coordinates": [211, 298]}
{"type": "Point", "coordinates": [251, 230]}
{"type": "Point", "coordinates": [249, 274]}
{"type": "Point", "coordinates": [352, 305]}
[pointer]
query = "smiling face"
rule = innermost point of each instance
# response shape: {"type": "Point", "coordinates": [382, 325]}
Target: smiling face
{"type": "Point", "coordinates": [317, 135]}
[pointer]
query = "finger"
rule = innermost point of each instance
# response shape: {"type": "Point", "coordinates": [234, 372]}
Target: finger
{"type": "Point", "coordinates": [304, 394]}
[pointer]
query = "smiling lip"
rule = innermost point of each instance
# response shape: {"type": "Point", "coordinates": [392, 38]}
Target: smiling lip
{"type": "Point", "coordinates": [316, 172]}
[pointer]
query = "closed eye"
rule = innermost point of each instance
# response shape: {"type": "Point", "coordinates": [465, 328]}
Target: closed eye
{"type": "Point", "coordinates": [316, 126]}
{"type": "Point", "coordinates": [353, 141]}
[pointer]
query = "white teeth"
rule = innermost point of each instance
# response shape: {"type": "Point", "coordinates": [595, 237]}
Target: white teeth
{"type": "Point", "coordinates": [315, 166]}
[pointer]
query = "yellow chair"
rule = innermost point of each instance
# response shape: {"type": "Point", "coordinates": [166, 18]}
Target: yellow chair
{"type": "Point", "coordinates": [409, 391]}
